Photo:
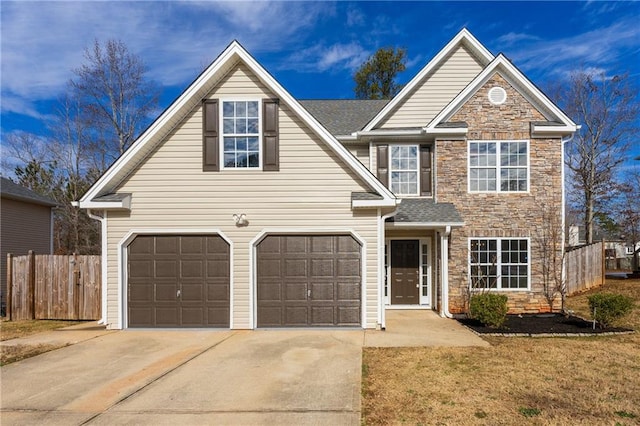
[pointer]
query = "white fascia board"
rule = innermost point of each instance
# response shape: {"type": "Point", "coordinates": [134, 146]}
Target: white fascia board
{"type": "Point", "coordinates": [162, 121]}
{"type": "Point", "coordinates": [390, 132]}
{"type": "Point", "coordinates": [235, 49]}
{"type": "Point", "coordinates": [511, 73]}
{"type": "Point", "coordinates": [446, 131]}
{"type": "Point", "coordinates": [554, 130]}
{"type": "Point", "coordinates": [425, 224]}
{"type": "Point", "coordinates": [463, 36]}
{"type": "Point", "coordinates": [124, 204]}
{"type": "Point", "coordinates": [374, 203]}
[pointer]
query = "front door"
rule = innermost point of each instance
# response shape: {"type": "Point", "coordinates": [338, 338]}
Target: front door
{"type": "Point", "coordinates": [405, 272]}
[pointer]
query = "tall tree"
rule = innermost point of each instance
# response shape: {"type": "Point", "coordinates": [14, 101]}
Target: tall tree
{"type": "Point", "coordinates": [607, 109]}
{"type": "Point", "coordinates": [376, 78]}
{"type": "Point", "coordinates": [117, 99]}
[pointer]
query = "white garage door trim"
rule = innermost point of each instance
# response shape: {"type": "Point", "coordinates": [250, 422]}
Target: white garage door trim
{"type": "Point", "coordinates": [253, 245]}
{"type": "Point", "coordinates": [122, 264]}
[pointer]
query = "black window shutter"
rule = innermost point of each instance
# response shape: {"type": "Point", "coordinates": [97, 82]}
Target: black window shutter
{"type": "Point", "coordinates": [383, 164]}
{"type": "Point", "coordinates": [210, 139]}
{"type": "Point", "coordinates": [270, 142]}
{"type": "Point", "coordinates": [425, 170]}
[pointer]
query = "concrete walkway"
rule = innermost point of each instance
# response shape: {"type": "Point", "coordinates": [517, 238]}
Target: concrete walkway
{"type": "Point", "coordinates": [205, 377]}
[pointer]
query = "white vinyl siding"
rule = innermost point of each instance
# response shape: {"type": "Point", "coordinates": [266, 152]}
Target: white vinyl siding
{"type": "Point", "coordinates": [312, 191]}
{"type": "Point", "coordinates": [437, 90]}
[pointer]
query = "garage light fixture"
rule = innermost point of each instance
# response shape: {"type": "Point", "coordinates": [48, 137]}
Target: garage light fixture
{"type": "Point", "coordinates": [241, 219]}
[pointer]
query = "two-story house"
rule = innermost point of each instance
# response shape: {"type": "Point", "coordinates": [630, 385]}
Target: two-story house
{"type": "Point", "coordinates": [243, 207]}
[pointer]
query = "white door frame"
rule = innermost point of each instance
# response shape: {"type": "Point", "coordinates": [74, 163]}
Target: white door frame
{"type": "Point", "coordinates": [426, 302]}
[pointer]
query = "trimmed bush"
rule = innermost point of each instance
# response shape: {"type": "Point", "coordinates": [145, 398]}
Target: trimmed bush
{"type": "Point", "coordinates": [489, 308]}
{"type": "Point", "coordinates": [609, 307]}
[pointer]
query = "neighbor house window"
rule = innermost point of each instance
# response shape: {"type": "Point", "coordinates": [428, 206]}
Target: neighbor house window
{"type": "Point", "coordinates": [404, 169]}
{"type": "Point", "coordinates": [241, 134]}
{"type": "Point", "coordinates": [496, 166]}
{"type": "Point", "coordinates": [499, 263]}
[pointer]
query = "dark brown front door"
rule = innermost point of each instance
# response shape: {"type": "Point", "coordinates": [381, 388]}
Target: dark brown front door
{"type": "Point", "coordinates": [405, 278]}
{"type": "Point", "coordinates": [178, 281]}
{"type": "Point", "coordinates": [308, 280]}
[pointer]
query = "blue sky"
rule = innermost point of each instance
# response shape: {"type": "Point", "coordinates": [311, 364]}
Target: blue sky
{"type": "Point", "coordinates": [312, 48]}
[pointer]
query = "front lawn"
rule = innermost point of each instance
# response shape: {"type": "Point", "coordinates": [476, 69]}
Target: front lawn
{"type": "Point", "coordinates": [588, 380]}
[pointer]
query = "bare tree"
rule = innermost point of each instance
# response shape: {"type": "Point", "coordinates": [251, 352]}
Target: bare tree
{"type": "Point", "coordinates": [117, 100]}
{"type": "Point", "coordinates": [628, 215]}
{"type": "Point", "coordinates": [607, 109]}
{"type": "Point", "coordinates": [549, 241]}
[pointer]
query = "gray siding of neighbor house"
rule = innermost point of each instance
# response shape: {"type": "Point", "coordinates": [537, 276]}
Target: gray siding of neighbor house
{"type": "Point", "coordinates": [23, 226]}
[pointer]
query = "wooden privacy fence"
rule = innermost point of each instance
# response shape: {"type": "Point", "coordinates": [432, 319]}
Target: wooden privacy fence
{"type": "Point", "coordinates": [585, 268]}
{"type": "Point", "coordinates": [53, 287]}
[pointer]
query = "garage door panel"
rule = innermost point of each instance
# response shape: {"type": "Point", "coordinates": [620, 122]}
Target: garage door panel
{"type": "Point", "coordinates": [295, 292]}
{"type": "Point", "coordinates": [178, 281]}
{"type": "Point", "coordinates": [166, 269]}
{"type": "Point", "coordinates": [141, 269]}
{"type": "Point", "coordinates": [141, 293]}
{"type": "Point", "coordinates": [166, 245]}
{"type": "Point", "coordinates": [317, 281]}
{"type": "Point", "coordinates": [296, 315]}
{"type": "Point", "coordinates": [192, 269]}
{"type": "Point", "coordinates": [295, 268]}
{"type": "Point", "coordinates": [322, 291]}
{"type": "Point", "coordinates": [349, 315]}
{"type": "Point", "coordinates": [322, 267]}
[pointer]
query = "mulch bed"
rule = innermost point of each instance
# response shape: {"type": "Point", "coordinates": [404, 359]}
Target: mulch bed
{"type": "Point", "coordinates": [542, 325]}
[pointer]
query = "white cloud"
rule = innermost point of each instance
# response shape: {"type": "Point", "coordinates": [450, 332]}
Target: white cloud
{"type": "Point", "coordinates": [600, 48]}
{"type": "Point", "coordinates": [512, 38]}
{"type": "Point", "coordinates": [320, 57]}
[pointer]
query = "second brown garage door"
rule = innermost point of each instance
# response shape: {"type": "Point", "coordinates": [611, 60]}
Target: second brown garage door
{"type": "Point", "coordinates": [309, 280]}
{"type": "Point", "coordinates": [178, 281]}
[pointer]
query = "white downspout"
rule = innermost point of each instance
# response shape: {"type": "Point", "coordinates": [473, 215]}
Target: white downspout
{"type": "Point", "coordinates": [103, 266]}
{"type": "Point", "coordinates": [562, 207]}
{"type": "Point", "coordinates": [444, 256]}
{"type": "Point", "coordinates": [382, 317]}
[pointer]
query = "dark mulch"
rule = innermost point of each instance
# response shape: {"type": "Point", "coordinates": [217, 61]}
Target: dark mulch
{"type": "Point", "coordinates": [542, 324]}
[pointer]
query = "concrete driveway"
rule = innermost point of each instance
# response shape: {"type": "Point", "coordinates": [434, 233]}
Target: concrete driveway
{"type": "Point", "coordinates": [200, 377]}
{"type": "Point", "coordinates": [190, 377]}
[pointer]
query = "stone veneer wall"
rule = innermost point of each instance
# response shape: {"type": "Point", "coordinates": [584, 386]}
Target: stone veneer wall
{"type": "Point", "coordinates": [499, 214]}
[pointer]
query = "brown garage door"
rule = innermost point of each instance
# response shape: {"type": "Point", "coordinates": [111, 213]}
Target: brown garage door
{"type": "Point", "coordinates": [178, 281]}
{"type": "Point", "coordinates": [309, 280]}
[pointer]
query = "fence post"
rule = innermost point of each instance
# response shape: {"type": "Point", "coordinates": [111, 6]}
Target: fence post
{"type": "Point", "coordinates": [9, 285]}
{"type": "Point", "coordinates": [604, 264]}
{"type": "Point", "coordinates": [31, 282]}
{"type": "Point", "coordinates": [75, 283]}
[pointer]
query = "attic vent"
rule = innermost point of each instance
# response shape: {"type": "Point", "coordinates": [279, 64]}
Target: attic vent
{"type": "Point", "coordinates": [497, 95]}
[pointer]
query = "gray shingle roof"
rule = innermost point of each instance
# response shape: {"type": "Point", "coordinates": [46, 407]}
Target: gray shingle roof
{"type": "Point", "coordinates": [112, 197]}
{"type": "Point", "coordinates": [344, 116]}
{"type": "Point", "coordinates": [452, 125]}
{"type": "Point", "coordinates": [425, 210]}
{"type": "Point", "coordinates": [13, 191]}
{"type": "Point", "coordinates": [365, 196]}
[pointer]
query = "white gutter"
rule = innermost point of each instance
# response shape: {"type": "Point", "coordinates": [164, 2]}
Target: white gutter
{"type": "Point", "coordinates": [382, 317]}
{"type": "Point", "coordinates": [444, 257]}
{"type": "Point", "coordinates": [562, 207]}
{"type": "Point", "coordinates": [103, 261]}
{"type": "Point", "coordinates": [383, 132]}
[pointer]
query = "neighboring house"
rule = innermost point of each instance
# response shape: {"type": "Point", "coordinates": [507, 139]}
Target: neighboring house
{"type": "Point", "coordinates": [618, 252]}
{"type": "Point", "coordinates": [26, 223]}
{"type": "Point", "coordinates": [243, 207]}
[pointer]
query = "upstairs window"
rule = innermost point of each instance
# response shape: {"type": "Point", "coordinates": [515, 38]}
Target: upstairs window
{"type": "Point", "coordinates": [241, 134]}
{"type": "Point", "coordinates": [497, 166]}
{"type": "Point", "coordinates": [404, 169]}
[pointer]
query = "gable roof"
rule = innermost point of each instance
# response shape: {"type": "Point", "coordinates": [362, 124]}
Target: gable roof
{"type": "Point", "coordinates": [192, 97]}
{"type": "Point", "coordinates": [557, 120]}
{"type": "Point", "coordinates": [13, 191]}
{"type": "Point", "coordinates": [344, 116]}
{"type": "Point", "coordinates": [463, 37]}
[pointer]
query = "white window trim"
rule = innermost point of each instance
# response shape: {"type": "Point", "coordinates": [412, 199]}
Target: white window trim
{"type": "Point", "coordinates": [498, 167]}
{"type": "Point", "coordinates": [391, 170]}
{"type": "Point", "coordinates": [222, 134]}
{"type": "Point", "coordinates": [499, 263]}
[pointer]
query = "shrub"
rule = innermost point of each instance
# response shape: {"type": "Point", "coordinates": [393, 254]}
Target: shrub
{"type": "Point", "coordinates": [609, 307]}
{"type": "Point", "coordinates": [489, 308]}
